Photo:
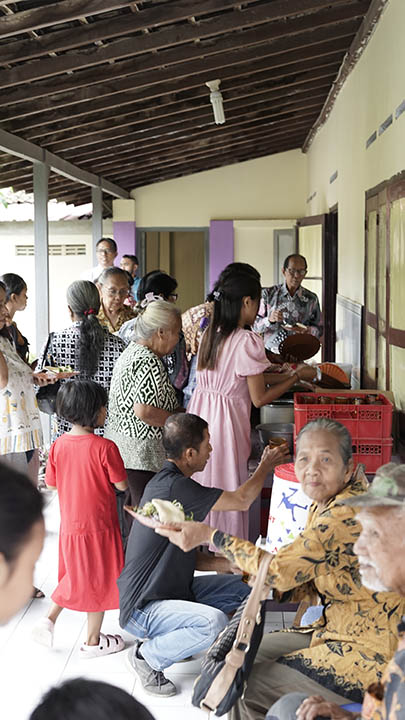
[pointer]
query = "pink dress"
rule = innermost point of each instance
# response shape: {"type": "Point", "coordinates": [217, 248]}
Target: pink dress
{"type": "Point", "coordinates": [222, 399]}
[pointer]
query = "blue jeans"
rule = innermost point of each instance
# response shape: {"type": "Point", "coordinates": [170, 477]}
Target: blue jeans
{"type": "Point", "coordinates": [176, 629]}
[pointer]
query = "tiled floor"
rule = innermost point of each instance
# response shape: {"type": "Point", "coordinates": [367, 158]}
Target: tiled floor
{"type": "Point", "coordinates": [27, 669]}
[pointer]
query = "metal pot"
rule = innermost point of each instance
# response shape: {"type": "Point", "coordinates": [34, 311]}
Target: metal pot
{"type": "Point", "coordinates": [280, 411]}
{"type": "Point", "coordinates": [269, 430]}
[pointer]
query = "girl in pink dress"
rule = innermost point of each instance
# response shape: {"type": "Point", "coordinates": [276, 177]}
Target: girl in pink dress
{"type": "Point", "coordinates": [85, 468]}
{"type": "Point", "coordinates": [230, 376]}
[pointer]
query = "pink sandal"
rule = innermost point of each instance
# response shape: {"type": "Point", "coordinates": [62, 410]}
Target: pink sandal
{"type": "Point", "coordinates": [108, 644]}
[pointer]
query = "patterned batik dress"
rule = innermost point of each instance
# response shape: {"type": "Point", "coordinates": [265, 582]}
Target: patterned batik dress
{"type": "Point", "coordinates": [139, 377]}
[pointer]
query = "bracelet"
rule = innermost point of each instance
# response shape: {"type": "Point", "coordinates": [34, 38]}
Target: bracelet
{"type": "Point", "coordinates": [212, 536]}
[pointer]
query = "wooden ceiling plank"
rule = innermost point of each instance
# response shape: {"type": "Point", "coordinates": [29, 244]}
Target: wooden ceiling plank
{"type": "Point", "coordinates": [235, 88]}
{"type": "Point", "coordinates": [123, 92]}
{"type": "Point", "coordinates": [60, 12]}
{"type": "Point", "coordinates": [298, 126]}
{"type": "Point", "coordinates": [132, 47]}
{"type": "Point", "coordinates": [152, 137]}
{"type": "Point", "coordinates": [148, 70]}
{"type": "Point", "coordinates": [203, 113]}
{"type": "Point", "coordinates": [63, 40]}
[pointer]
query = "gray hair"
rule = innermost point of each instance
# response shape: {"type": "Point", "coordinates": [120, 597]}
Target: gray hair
{"type": "Point", "coordinates": [158, 315]}
{"type": "Point", "coordinates": [83, 295]}
{"type": "Point", "coordinates": [335, 428]}
{"type": "Point", "coordinates": [110, 272]}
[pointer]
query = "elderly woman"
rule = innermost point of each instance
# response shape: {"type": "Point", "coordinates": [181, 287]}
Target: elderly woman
{"type": "Point", "coordinates": [86, 346]}
{"type": "Point", "coordinates": [154, 285]}
{"type": "Point", "coordinates": [343, 652]}
{"type": "Point", "coordinates": [114, 289]}
{"type": "Point", "coordinates": [142, 397]}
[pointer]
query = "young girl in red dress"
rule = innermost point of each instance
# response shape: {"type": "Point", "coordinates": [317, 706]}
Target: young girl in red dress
{"type": "Point", "coordinates": [84, 468]}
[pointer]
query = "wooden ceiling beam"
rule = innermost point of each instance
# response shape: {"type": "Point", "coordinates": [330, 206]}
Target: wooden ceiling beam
{"type": "Point", "coordinates": [118, 50]}
{"type": "Point", "coordinates": [202, 114]}
{"type": "Point", "coordinates": [122, 92]}
{"type": "Point", "coordinates": [235, 88]}
{"type": "Point", "coordinates": [156, 17]}
{"type": "Point", "coordinates": [147, 71]}
{"type": "Point", "coordinates": [46, 15]}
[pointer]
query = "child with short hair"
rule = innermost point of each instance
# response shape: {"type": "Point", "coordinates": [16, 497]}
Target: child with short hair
{"type": "Point", "coordinates": [84, 468]}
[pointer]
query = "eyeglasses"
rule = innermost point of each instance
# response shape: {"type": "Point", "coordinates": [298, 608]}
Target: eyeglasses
{"type": "Point", "coordinates": [112, 292]}
{"type": "Point", "coordinates": [299, 273]}
{"type": "Point", "coordinates": [99, 251]}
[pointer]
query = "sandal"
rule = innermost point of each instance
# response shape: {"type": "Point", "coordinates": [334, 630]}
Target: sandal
{"type": "Point", "coordinates": [42, 632]}
{"type": "Point", "coordinates": [37, 593]}
{"type": "Point", "coordinates": [108, 644]}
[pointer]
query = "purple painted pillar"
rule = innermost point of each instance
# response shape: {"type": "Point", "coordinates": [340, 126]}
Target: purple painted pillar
{"type": "Point", "coordinates": [125, 237]}
{"type": "Point", "coordinates": [221, 247]}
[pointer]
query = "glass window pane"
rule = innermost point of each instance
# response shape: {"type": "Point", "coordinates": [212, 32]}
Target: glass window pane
{"type": "Point", "coordinates": [397, 252]}
{"type": "Point", "coordinates": [382, 363]}
{"type": "Point", "coordinates": [398, 376]}
{"type": "Point", "coordinates": [310, 245]}
{"type": "Point", "coordinates": [370, 369]}
{"type": "Point", "coordinates": [371, 261]}
{"type": "Point", "coordinates": [382, 266]}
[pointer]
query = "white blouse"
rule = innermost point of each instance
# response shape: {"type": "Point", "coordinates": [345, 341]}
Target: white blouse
{"type": "Point", "coordinates": [20, 424]}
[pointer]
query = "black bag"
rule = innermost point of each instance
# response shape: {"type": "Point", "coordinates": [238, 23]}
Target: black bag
{"type": "Point", "coordinates": [46, 395]}
{"type": "Point", "coordinates": [228, 662]}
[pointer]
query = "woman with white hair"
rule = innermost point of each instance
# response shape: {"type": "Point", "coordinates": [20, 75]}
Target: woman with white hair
{"type": "Point", "coordinates": [141, 395]}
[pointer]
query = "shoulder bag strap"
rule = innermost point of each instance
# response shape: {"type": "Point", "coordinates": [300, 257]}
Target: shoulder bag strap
{"type": "Point", "coordinates": [236, 656]}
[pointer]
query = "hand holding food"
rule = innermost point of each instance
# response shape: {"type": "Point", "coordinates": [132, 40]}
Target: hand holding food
{"type": "Point", "coordinates": [159, 512]}
{"type": "Point", "coordinates": [274, 456]}
{"type": "Point", "coordinates": [276, 316]}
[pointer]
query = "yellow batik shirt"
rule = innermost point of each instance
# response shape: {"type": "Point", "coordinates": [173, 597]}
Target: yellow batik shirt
{"type": "Point", "coordinates": [356, 635]}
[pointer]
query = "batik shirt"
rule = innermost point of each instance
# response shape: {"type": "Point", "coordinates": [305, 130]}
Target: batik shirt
{"type": "Point", "coordinates": [356, 636]}
{"type": "Point", "coordinates": [126, 313]}
{"type": "Point", "coordinates": [139, 377]}
{"type": "Point", "coordinates": [63, 350]}
{"type": "Point", "coordinates": [302, 307]}
{"type": "Point", "coordinates": [392, 706]}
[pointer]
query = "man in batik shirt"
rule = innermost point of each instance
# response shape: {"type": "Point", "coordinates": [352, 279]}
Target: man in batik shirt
{"type": "Point", "coordinates": [288, 304]}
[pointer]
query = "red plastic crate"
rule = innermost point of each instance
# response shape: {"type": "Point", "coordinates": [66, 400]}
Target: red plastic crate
{"type": "Point", "coordinates": [362, 421]}
{"type": "Point", "coordinates": [372, 453]}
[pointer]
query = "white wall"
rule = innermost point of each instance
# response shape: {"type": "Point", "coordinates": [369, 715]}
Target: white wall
{"type": "Point", "coordinates": [269, 187]}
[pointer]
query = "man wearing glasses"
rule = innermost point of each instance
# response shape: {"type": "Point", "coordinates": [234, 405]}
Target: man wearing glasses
{"type": "Point", "coordinates": [106, 252]}
{"type": "Point", "coordinates": [288, 308]}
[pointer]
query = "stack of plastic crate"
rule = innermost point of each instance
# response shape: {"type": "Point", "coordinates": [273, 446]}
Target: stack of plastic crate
{"type": "Point", "coordinates": [370, 425]}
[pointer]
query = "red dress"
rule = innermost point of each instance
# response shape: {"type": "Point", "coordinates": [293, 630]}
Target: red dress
{"type": "Point", "coordinates": [83, 468]}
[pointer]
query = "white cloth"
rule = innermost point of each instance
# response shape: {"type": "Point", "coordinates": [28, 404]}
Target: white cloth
{"type": "Point", "coordinates": [92, 274]}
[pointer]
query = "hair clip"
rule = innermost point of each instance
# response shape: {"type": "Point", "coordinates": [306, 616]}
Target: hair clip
{"type": "Point", "coordinates": [217, 295]}
{"type": "Point", "coordinates": [149, 297]}
{"type": "Point", "coordinates": [90, 311]}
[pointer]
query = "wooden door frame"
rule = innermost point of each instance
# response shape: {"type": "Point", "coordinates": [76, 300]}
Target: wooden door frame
{"type": "Point", "coordinates": [329, 224]}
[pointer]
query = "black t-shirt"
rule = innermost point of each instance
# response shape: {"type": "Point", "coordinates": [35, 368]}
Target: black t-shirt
{"type": "Point", "coordinates": [154, 568]}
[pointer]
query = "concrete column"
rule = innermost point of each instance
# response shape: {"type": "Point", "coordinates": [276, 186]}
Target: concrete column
{"type": "Point", "coordinates": [124, 227]}
{"type": "Point", "coordinates": [97, 219]}
{"type": "Point", "coordinates": [221, 248]}
{"type": "Point", "coordinates": [41, 175]}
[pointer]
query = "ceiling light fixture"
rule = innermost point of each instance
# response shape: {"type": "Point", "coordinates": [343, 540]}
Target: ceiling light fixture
{"type": "Point", "coordinates": [216, 101]}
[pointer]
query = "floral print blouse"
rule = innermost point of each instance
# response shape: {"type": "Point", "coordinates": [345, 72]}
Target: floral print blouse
{"type": "Point", "coordinates": [20, 424]}
{"type": "Point", "coordinates": [355, 637]}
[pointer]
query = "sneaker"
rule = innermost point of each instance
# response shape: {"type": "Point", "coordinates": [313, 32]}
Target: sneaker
{"type": "Point", "coordinates": [153, 681]}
